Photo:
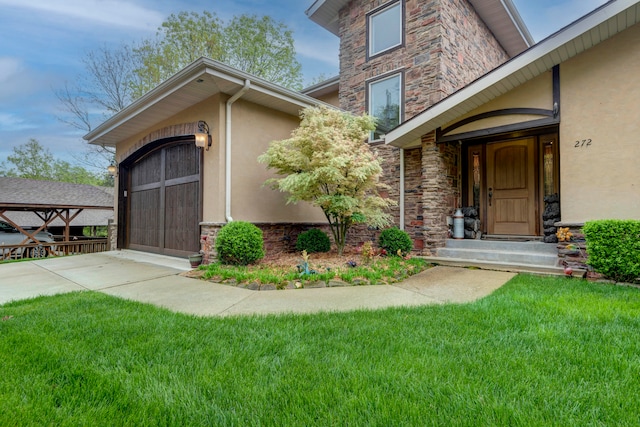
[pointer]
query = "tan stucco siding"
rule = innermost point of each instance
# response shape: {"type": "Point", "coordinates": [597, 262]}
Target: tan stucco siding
{"type": "Point", "coordinates": [600, 96]}
{"type": "Point", "coordinates": [330, 98]}
{"type": "Point", "coordinates": [209, 111]}
{"type": "Point", "coordinates": [253, 128]}
{"type": "Point", "coordinates": [536, 93]}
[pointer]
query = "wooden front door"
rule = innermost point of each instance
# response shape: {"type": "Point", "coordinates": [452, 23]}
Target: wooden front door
{"type": "Point", "coordinates": [164, 200]}
{"type": "Point", "coordinates": [511, 188]}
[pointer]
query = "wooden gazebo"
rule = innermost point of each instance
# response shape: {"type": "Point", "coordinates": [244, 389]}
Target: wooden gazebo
{"type": "Point", "coordinates": [49, 201]}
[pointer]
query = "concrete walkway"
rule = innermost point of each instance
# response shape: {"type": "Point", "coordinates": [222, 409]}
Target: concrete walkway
{"type": "Point", "coordinates": [155, 279]}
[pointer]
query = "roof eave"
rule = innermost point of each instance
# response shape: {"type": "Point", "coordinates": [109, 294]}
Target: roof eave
{"type": "Point", "coordinates": [515, 37]}
{"type": "Point", "coordinates": [536, 60]}
{"type": "Point", "coordinates": [193, 72]}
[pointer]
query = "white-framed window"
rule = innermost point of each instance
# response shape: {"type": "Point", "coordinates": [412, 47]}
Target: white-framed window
{"type": "Point", "coordinates": [385, 103]}
{"type": "Point", "coordinates": [384, 27]}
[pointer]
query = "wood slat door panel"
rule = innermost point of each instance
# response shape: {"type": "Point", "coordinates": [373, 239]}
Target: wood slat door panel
{"type": "Point", "coordinates": [181, 212]}
{"type": "Point", "coordinates": [147, 170]}
{"type": "Point", "coordinates": [144, 218]}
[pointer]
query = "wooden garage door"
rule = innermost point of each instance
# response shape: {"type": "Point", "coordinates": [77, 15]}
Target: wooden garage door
{"type": "Point", "coordinates": [164, 200]}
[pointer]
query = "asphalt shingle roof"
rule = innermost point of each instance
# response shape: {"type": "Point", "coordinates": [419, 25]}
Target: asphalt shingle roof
{"type": "Point", "coordinates": [21, 193]}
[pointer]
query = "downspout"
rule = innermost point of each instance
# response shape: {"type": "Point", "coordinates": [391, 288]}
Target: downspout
{"type": "Point", "coordinates": [401, 189]}
{"type": "Point", "coordinates": [227, 194]}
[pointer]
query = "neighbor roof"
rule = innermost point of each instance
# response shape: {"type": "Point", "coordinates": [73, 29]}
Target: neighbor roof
{"type": "Point", "coordinates": [593, 28]}
{"type": "Point", "coordinates": [29, 194]}
{"type": "Point", "coordinates": [196, 82]}
{"type": "Point", "coordinates": [323, 88]}
{"type": "Point", "coordinates": [501, 16]}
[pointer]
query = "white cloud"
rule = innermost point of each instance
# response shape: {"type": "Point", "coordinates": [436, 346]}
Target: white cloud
{"type": "Point", "coordinates": [15, 80]}
{"type": "Point", "coordinates": [11, 122]}
{"type": "Point", "coordinates": [326, 52]}
{"type": "Point", "coordinates": [9, 67]}
{"type": "Point", "coordinates": [107, 12]}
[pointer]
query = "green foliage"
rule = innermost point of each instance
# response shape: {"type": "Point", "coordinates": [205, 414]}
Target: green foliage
{"type": "Point", "coordinates": [393, 240]}
{"type": "Point", "coordinates": [328, 163]}
{"type": "Point", "coordinates": [257, 45]}
{"type": "Point", "coordinates": [380, 271]}
{"type": "Point", "coordinates": [613, 247]}
{"type": "Point", "coordinates": [115, 77]}
{"type": "Point", "coordinates": [33, 161]}
{"type": "Point", "coordinates": [97, 231]}
{"type": "Point", "coordinates": [239, 243]}
{"type": "Point", "coordinates": [539, 351]}
{"type": "Point", "coordinates": [263, 47]}
{"type": "Point", "coordinates": [314, 240]}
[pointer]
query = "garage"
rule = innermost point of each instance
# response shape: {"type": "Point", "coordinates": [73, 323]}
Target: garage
{"type": "Point", "coordinates": [161, 205]}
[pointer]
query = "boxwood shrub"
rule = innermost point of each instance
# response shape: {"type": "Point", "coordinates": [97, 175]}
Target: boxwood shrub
{"type": "Point", "coordinates": [394, 239]}
{"type": "Point", "coordinates": [314, 240]}
{"type": "Point", "coordinates": [239, 243]}
{"type": "Point", "coordinates": [613, 247]}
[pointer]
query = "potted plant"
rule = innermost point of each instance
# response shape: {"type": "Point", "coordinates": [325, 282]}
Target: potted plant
{"type": "Point", "coordinates": [195, 260]}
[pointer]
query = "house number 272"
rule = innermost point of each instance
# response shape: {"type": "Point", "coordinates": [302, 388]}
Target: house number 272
{"type": "Point", "coordinates": [583, 143]}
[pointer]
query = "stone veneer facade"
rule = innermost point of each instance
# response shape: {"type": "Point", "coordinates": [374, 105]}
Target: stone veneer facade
{"type": "Point", "coordinates": [277, 237]}
{"type": "Point", "coordinates": [446, 47]}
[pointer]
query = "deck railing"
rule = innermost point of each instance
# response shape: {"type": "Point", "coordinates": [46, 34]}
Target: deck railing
{"type": "Point", "coordinates": [42, 250]}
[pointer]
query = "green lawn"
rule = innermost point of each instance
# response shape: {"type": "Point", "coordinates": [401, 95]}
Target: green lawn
{"type": "Point", "coordinates": [539, 351]}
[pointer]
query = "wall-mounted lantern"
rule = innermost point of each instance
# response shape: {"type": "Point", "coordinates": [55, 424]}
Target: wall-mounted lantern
{"type": "Point", "coordinates": [203, 137]}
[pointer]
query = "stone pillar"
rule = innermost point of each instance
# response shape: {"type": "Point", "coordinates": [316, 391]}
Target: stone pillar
{"type": "Point", "coordinates": [441, 189]}
{"type": "Point", "coordinates": [112, 235]}
{"type": "Point", "coordinates": [572, 249]}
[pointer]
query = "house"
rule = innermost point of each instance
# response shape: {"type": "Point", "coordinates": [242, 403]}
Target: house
{"type": "Point", "coordinates": [470, 112]}
{"type": "Point", "coordinates": [173, 195]}
{"type": "Point", "coordinates": [399, 57]}
{"type": "Point", "coordinates": [558, 121]}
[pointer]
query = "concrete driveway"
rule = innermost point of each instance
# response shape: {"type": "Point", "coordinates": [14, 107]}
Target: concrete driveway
{"type": "Point", "coordinates": [155, 279]}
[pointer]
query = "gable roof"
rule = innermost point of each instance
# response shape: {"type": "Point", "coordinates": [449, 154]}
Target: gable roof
{"type": "Point", "coordinates": [593, 28]}
{"type": "Point", "coordinates": [500, 16]}
{"type": "Point", "coordinates": [196, 82]}
{"type": "Point", "coordinates": [25, 194]}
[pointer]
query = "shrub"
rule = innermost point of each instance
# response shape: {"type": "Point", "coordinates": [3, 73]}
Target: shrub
{"type": "Point", "coordinates": [613, 247]}
{"type": "Point", "coordinates": [313, 240]}
{"type": "Point", "coordinates": [393, 240]}
{"type": "Point", "coordinates": [239, 243]}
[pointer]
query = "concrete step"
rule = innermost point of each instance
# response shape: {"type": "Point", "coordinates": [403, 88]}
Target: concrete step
{"type": "Point", "coordinates": [494, 265]}
{"type": "Point", "coordinates": [512, 253]}
{"type": "Point", "coordinates": [501, 245]}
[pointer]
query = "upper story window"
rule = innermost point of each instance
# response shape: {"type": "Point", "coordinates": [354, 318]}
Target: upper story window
{"type": "Point", "coordinates": [385, 101]}
{"type": "Point", "coordinates": [384, 27]}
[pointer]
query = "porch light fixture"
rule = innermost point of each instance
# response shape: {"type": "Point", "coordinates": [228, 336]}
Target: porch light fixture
{"type": "Point", "coordinates": [203, 137]}
{"type": "Point", "coordinates": [112, 169]}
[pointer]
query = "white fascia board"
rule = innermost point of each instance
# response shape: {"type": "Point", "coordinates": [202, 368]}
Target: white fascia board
{"type": "Point", "coordinates": [515, 17]}
{"type": "Point", "coordinates": [314, 7]}
{"type": "Point", "coordinates": [198, 68]}
{"type": "Point", "coordinates": [160, 92]}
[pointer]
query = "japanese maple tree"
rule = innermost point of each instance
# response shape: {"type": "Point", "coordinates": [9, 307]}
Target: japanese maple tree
{"type": "Point", "coordinates": [328, 163]}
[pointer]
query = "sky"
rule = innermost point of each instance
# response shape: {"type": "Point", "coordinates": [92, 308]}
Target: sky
{"type": "Point", "coordinates": [43, 43]}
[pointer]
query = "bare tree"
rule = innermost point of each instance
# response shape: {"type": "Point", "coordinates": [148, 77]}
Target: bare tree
{"type": "Point", "coordinates": [106, 87]}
